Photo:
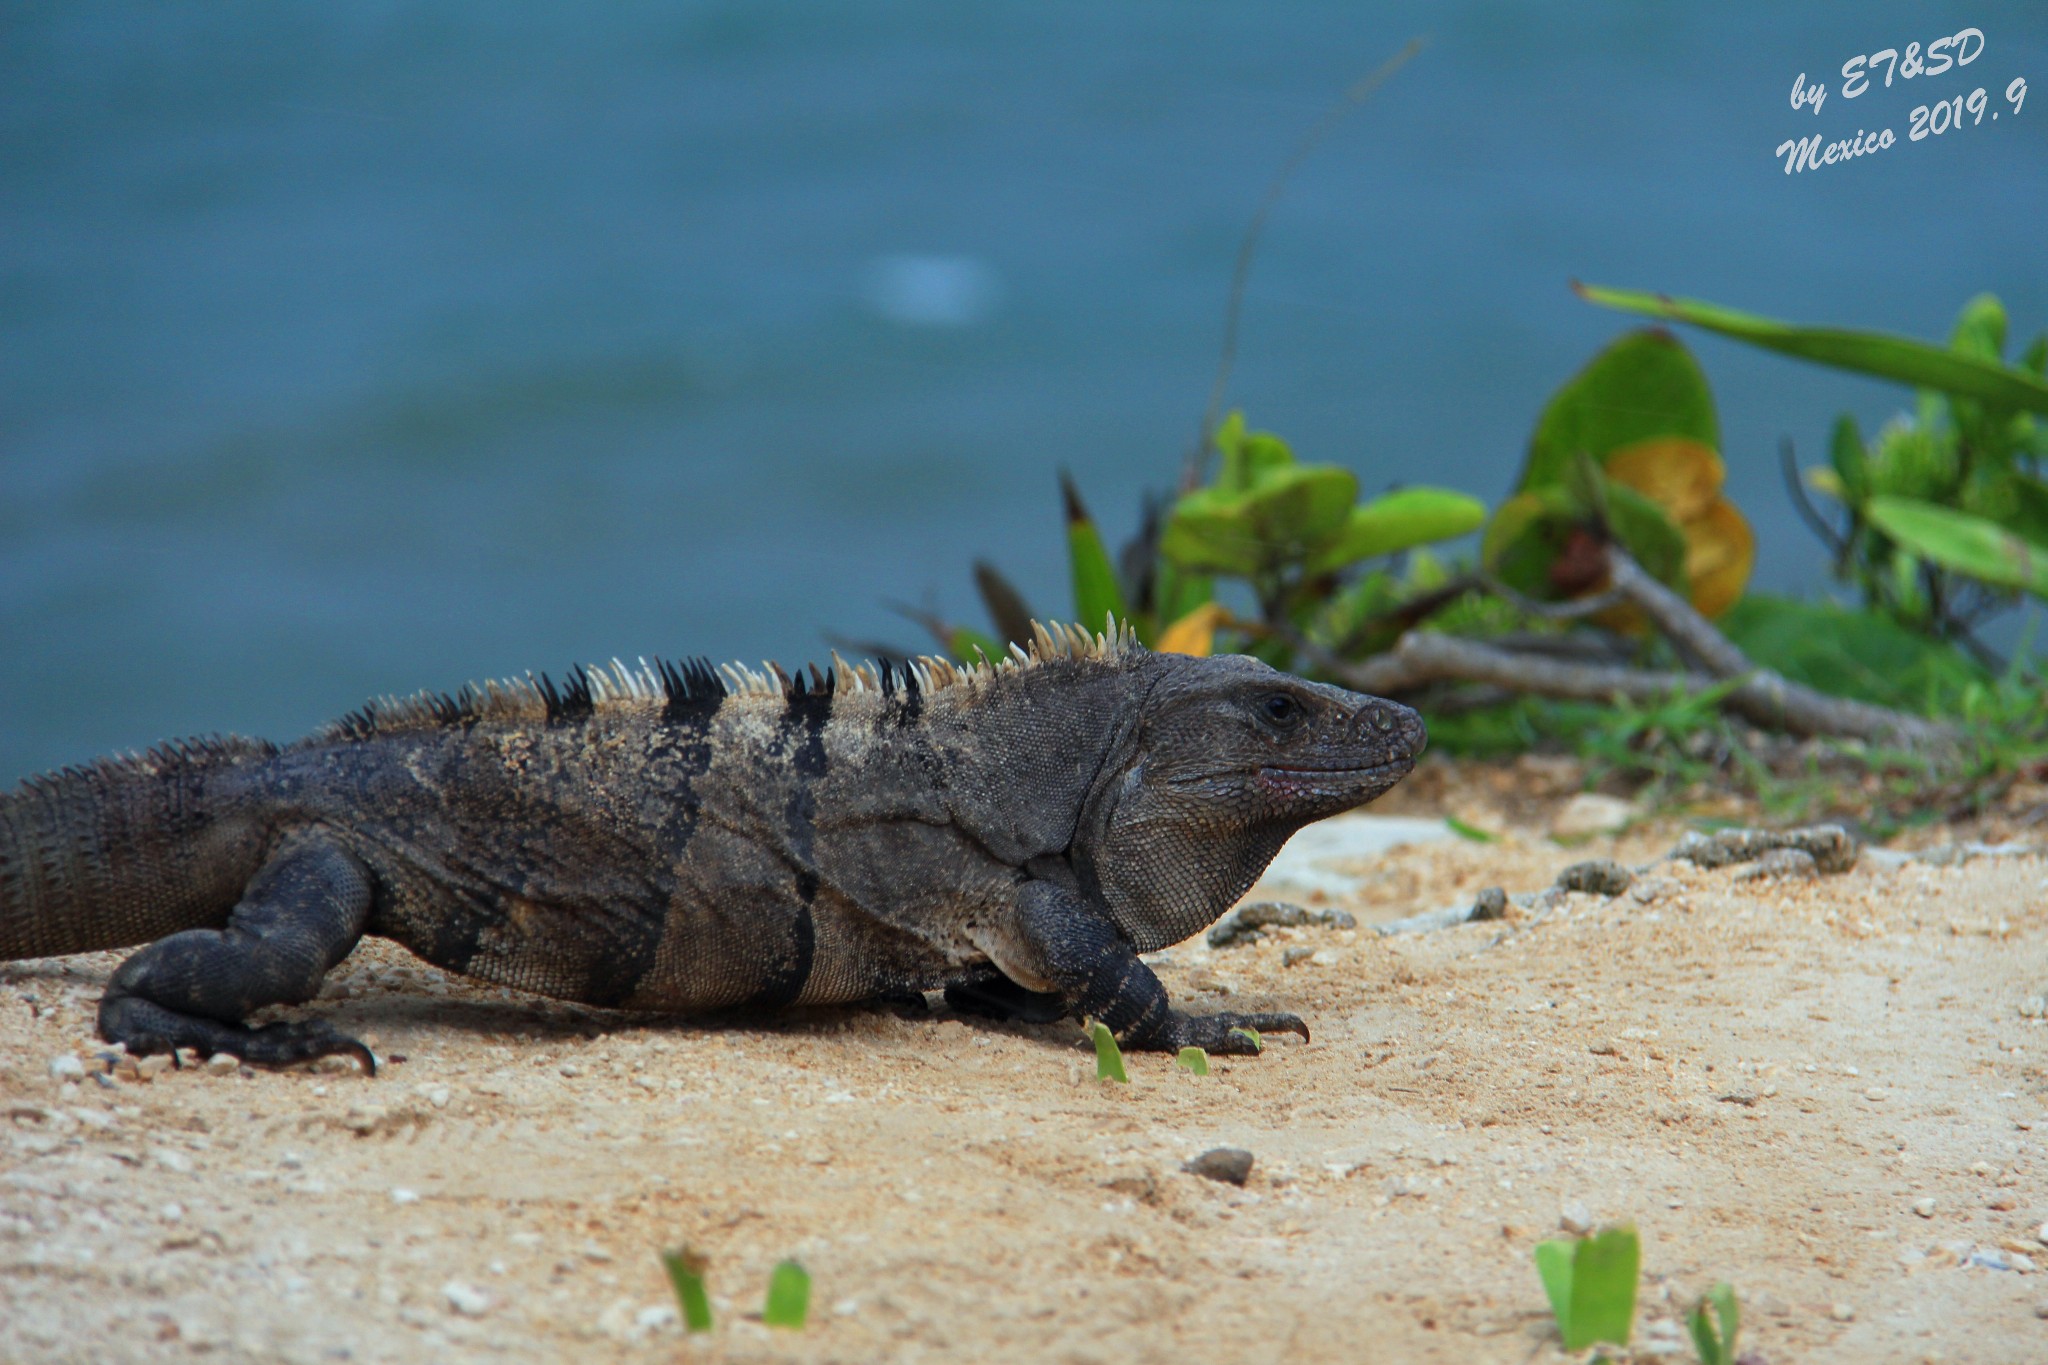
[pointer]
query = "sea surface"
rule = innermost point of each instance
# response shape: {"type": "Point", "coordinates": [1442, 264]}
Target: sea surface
{"type": "Point", "coordinates": [354, 349]}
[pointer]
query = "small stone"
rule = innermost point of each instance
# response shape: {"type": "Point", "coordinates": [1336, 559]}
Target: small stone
{"type": "Point", "coordinates": [1924, 1207]}
{"type": "Point", "coordinates": [2005, 1201]}
{"type": "Point", "coordinates": [1491, 903]}
{"type": "Point", "coordinates": [1591, 813]}
{"type": "Point", "coordinates": [570, 1070]}
{"type": "Point", "coordinates": [2041, 1309]}
{"type": "Point", "coordinates": [1296, 954]}
{"type": "Point", "coordinates": [1575, 1218]}
{"type": "Point", "coordinates": [223, 1064]}
{"type": "Point", "coordinates": [438, 1097]}
{"type": "Point", "coordinates": [402, 1195]}
{"type": "Point", "coordinates": [66, 1067]}
{"type": "Point", "coordinates": [2020, 1261]}
{"type": "Point", "coordinates": [149, 1068]}
{"type": "Point", "coordinates": [1231, 1165]}
{"type": "Point", "coordinates": [171, 1212]}
{"type": "Point", "coordinates": [1842, 1312]}
{"type": "Point", "coordinates": [466, 1299]}
{"type": "Point", "coordinates": [171, 1159]}
{"type": "Point", "coordinates": [1598, 877]}
{"type": "Point", "coordinates": [2041, 1234]}
{"type": "Point", "coordinates": [1875, 1092]}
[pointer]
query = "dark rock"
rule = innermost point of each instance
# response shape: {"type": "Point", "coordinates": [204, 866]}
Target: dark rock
{"type": "Point", "coordinates": [1244, 924]}
{"type": "Point", "coordinates": [1492, 903]}
{"type": "Point", "coordinates": [1232, 1165]}
{"type": "Point", "coordinates": [1599, 877]}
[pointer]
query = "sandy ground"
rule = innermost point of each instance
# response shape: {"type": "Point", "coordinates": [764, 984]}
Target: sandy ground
{"type": "Point", "coordinates": [1767, 1077]}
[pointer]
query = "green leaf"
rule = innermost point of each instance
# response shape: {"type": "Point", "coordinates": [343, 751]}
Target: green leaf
{"type": "Point", "coordinates": [967, 644]}
{"type": "Point", "coordinates": [1648, 535]}
{"type": "Point", "coordinates": [1714, 1336]}
{"type": "Point", "coordinates": [1193, 1059]}
{"type": "Point", "coordinates": [789, 1296]}
{"type": "Point", "coordinates": [1604, 1273]}
{"type": "Point", "coordinates": [1643, 384]}
{"type": "Point", "coordinates": [1258, 1043]}
{"type": "Point", "coordinates": [1096, 593]}
{"type": "Point", "coordinates": [1287, 517]}
{"type": "Point", "coordinates": [1980, 329]}
{"type": "Point", "coordinates": [1878, 353]}
{"type": "Point", "coordinates": [1178, 591]}
{"type": "Point", "coordinates": [1851, 464]}
{"type": "Point", "coordinates": [686, 1273]}
{"type": "Point", "coordinates": [1472, 832]}
{"type": "Point", "coordinates": [1109, 1058]}
{"type": "Point", "coordinates": [1398, 521]}
{"type": "Point", "coordinates": [1554, 1268]}
{"type": "Point", "coordinates": [1250, 458]}
{"type": "Point", "coordinates": [1863, 655]}
{"type": "Point", "coordinates": [1967, 544]}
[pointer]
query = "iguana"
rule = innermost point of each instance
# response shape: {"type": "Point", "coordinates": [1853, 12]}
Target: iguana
{"type": "Point", "coordinates": [682, 838]}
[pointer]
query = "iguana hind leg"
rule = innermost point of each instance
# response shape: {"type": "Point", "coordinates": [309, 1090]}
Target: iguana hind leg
{"type": "Point", "coordinates": [301, 914]}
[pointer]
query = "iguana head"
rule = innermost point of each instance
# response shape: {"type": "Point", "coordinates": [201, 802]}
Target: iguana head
{"type": "Point", "coordinates": [1229, 758]}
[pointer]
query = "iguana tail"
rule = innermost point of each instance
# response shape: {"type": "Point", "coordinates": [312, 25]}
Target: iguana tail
{"type": "Point", "coordinates": [126, 850]}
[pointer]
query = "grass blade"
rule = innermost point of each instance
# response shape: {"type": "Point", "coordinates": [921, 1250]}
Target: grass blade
{"type": "Point", "coordinates": [789, 1296]}
{"type": "Point", "coordinates": [686, 1273]}
{"type": "Point", "coordinates": [1109, 1058]}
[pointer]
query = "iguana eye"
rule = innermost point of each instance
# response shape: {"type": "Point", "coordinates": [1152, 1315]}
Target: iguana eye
{"type": "Point", "coordinates": [1281, 709]}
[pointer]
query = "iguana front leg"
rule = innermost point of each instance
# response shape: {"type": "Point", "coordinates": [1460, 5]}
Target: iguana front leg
{"type": "Point", "coordinates": [1060, 941]}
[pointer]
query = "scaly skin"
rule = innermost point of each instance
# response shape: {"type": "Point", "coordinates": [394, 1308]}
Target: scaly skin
{"type": "Point", "coordinates": [672, 840]}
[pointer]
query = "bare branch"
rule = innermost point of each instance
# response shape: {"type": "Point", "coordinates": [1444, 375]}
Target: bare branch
{"type": "Point", "coordinates": [1761, 697]}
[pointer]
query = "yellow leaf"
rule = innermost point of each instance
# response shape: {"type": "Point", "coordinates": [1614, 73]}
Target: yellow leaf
{"type": "Point", "coordinates": [1194, 633]}
{"type": "Point", "coordinates": [1720, 550]}
{"type": "Point", "coordinates": [1684, 477]}
{"type": "Point", "coordinates": [1679, 475]}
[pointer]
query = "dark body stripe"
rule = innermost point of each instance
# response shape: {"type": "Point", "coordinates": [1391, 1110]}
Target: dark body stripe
{"type": "Point", "coordinates": [801, 739]}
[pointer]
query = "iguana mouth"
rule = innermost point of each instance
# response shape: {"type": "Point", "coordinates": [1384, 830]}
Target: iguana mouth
{"type": "Point", "coordinates": [1399, 765]}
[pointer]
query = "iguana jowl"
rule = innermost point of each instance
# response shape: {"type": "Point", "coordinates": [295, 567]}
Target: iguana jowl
{"type": "Point", "coordinates": [681, 838]}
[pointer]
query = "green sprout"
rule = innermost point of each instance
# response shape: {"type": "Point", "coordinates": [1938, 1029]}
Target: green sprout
{"type": "Point", "coordinates": [1109, 1058]}
{"type": "Point", "coordinates": [1591, 1282]}
{"type": "Point", "coordinates": [686, 1272]}
{"type": "Point", "coordinates": [789, 1296]}
{"type": "Point", "coordinates": [1469, 831]}
{"type": "Point", "coordinates": [1714, 1336]}
{"type": "Point", "coordinates": [1193, 1059]}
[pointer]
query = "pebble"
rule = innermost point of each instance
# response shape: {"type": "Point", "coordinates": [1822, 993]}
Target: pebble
{"type": "Point", "coordinates": [466, 1299]}
{"type": "Point", "coordinates": [1598, 877]}
{"type": "Point", "coordinates": [1924, 1207]}
{"type": "Point", "coordinates": [2041, 1309]}
{"type": "Point", "coordinates": [1842, 1312]}
{"type": "Point", "coordinates": [223, 1064]}
{"type": "Point", "coordinates": [149, 1068]}
{"type": "Point", "coordinates": [1298, 953]}
{"type": "Point", "coordinates": [1591, 813]}
{"type": "Point", "coordinates": [402, 1195]}
{"type": "Point", "coordinates": [1875, 1092]}
{"type": "Point", "coordinates": [2041, 1234]}
{"type": "Point", "coordinates": [66, 1067]}
{"type": "Point", "coordinates": [1231, 1165]}
{"type": "Point", "coordinates": [1491, 903]}
{"type": "Point", "coordinates": [2005, 1201]}
{"type": "Point", "coordinates": [1575, 1218]}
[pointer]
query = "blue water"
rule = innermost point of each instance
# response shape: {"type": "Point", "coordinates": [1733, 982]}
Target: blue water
{"type": "Point", "coordinates": [355, 349]}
